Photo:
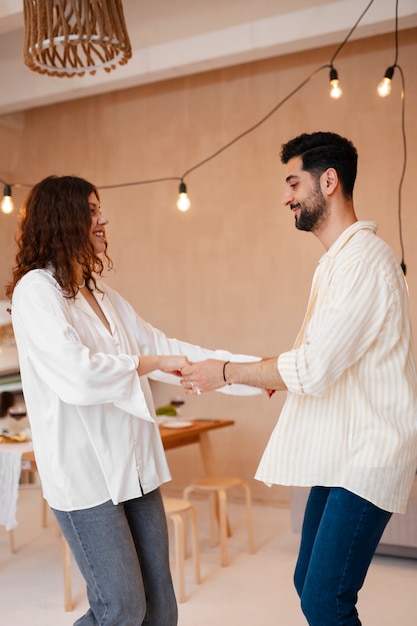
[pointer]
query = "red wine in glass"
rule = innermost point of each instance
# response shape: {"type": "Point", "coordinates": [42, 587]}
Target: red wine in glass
{"type": "Point", "coordinates": [178, 402]}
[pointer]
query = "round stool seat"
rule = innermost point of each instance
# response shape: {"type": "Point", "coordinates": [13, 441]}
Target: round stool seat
{"type": "Point", "coordinates": [217, 482]}
{"type": "Point", "coordinates": [176, 505]}
{"type": "Point", "coordinates": [216, 487]}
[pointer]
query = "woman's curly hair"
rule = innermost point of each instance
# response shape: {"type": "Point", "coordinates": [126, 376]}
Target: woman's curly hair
{"type": "Point", "coordinates": [54, 229]}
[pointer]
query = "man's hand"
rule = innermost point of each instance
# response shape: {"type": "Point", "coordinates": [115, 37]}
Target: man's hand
{"type": "Point", "coordinates": [202, 376]}
{"type": "Point", "coordinates": [213, 374]}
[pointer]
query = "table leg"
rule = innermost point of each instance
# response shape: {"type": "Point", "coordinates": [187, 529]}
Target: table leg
{"type": "Point", "coordinates": [207, 454]}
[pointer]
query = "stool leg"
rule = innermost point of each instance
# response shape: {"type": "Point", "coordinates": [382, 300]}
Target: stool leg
{"type": "Point", "coordinates": [214, 506]}
{"type": "Point", "coordinates": [11, 541]}
{"type": "Point", "coordinates": [179, 554]}
{"type": "Point", "coordinates": [222, 499]}
{"type": "Point", "coordinates": [196, 546]}
{"type": "Point", "coordinates": [44, 513]}
{"type": "Point", "coordinates": [249, 518]}
{"type": "Point", "coordinates": [185, 535]}
{"type": "Point", "coordinates": [66, 557]}
{"type": "Point", "coordinates": [186, 495]}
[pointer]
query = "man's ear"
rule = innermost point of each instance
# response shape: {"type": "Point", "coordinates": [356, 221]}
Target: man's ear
{"type": "Point", "coordinates": [329, 181]}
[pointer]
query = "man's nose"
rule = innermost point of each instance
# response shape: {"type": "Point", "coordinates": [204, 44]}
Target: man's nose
{"type": "Point", "coordinates": [287, 197]}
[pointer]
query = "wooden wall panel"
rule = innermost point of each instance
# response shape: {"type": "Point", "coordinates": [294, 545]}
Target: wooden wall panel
{"type": "Point", "coordinates": [232, 272]}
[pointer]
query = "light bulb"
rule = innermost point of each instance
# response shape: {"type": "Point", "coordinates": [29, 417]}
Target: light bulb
{"type": "Point", "coordinates": [384, 87]}
{"type": "Point", "coordinates": [183, 202]}
{"type": "Point", "coordinates": [335, 91]}
{"type": "Point", "coordinates": [7, 202]}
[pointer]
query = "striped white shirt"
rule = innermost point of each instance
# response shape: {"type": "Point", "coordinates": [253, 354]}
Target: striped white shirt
{"type": "Point", "coordinates": [350, 417]}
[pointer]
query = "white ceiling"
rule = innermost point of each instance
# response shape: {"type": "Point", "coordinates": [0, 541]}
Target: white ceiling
{"type": "Point", "coordinates": [172, 38]}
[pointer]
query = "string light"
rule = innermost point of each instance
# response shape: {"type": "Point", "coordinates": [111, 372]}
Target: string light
{"type": "Point", "coordinates": [384, 87]}
{"type": "Point", "coordinates": [335, 91]}
{"type": "Point", "coordinates": [7, 201]}
{"type": "Point", "coordinates": [183, 202]}
{"type": "Point", "coordinates": [183, 199]}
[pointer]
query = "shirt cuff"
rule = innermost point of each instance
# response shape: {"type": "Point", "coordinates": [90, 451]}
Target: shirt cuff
{"type": "Point", "coordinates": [287, 367]}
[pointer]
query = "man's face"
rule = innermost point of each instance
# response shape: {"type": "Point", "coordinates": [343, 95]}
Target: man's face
{"type": "Point", "coordinates": [304, 197]}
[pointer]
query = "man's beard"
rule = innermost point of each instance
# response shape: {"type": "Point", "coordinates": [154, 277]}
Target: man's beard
{"type": "Point", "coordinates": [313, 211]}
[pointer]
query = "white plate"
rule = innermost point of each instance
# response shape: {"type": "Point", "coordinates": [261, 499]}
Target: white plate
{"type": "Point", "coordinates": [177, 424]}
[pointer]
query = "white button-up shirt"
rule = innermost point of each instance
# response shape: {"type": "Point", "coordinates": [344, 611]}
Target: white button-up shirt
{"type": "Point", "coordinates": [91, 415]}
{"type": "Point", "coordinates": [350, 417]}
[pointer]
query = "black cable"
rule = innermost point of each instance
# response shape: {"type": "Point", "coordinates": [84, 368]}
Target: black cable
{"type": "Point", "coordinates": [400, 186]}
{"type": "Point", "coordinates": [396, 32]}
{"type": "Point", "coordinates": [278, 106]}
{"type": "Point", "coordinates": [292, 93]}
{"type": "Point", "coordinates": [354, 27]}
{"type": "Point", "coordinates": [141, 182]}
{"type": "Point", "coordinates": [261, 121]}
{"type": "Point", "coordinates": [252, 128]}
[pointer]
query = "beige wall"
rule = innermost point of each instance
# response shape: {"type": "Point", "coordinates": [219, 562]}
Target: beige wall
{"type": "Point", "coordinates": [233, 272]}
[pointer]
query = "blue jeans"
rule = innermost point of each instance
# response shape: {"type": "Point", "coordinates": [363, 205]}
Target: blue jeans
{"type": "Point", "coordinates": [122, 552]}
{"type": "Point", "coordinates": [340, 534]}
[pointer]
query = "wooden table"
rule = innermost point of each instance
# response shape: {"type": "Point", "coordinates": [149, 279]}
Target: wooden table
{"type": "Point", "coordinates": [177, 437]}
{"type": "Point", "coordinates": [197, 433]}
{"type": "Point", "coordinates": [171, 438]}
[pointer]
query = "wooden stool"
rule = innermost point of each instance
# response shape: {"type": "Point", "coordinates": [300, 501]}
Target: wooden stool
{"type": "Point", "coordinates": [217, 487]}
{"type": "Point", "coordinates": [178, 510]}
{"type": "Point", "coordinates": [30, 469]}
{"type": "Point", "coordinates": [66, 552]}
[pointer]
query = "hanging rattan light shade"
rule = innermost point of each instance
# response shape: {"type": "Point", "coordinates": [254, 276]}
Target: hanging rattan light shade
{"type": "Point", "coordinates": [72, 37]}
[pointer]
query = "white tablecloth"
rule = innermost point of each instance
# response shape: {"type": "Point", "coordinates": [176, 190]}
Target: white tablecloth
{"type": "Point", "coordinates": [10, 469]}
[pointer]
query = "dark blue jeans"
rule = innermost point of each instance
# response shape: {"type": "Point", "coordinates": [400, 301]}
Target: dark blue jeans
{"type": "Point", "coordinates": [340, 534]}
{"type": "Point", "coordinates": [122, 552]}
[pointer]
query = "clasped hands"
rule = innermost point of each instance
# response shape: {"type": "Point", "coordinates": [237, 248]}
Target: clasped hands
{"type": "Point", "coordinates": [200, 376]}
{"type": "Point", "coordinates": [195, 377]}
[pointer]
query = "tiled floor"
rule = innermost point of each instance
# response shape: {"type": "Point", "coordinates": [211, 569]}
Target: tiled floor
{"type": "Point", "coordinates": [255, 590]}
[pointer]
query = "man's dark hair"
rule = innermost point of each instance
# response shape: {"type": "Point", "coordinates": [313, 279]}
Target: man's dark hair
{"type": "Point", "coordinates": [319, 151]}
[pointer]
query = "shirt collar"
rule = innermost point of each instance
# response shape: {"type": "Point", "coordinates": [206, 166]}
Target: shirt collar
{"type": "Point", "coordinates": [347, 234]}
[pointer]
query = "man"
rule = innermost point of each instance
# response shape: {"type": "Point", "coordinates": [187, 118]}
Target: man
{"type": "Point", "coordinates": [348, 428]}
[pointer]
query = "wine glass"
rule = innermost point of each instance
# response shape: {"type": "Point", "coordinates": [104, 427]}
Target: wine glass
{"type": "Point", "coordinates": [178, 401]}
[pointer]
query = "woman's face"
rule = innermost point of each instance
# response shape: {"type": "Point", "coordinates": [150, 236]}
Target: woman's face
{"type": "Point", "coordinates": [98, 222]}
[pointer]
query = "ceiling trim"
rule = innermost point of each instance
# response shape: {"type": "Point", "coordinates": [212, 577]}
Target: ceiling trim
{"type": "Point", "coordinates": [309, 28]}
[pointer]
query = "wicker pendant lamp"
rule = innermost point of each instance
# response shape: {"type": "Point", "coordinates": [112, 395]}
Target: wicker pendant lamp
{"type": "Point", "coordinates": [72, 37]}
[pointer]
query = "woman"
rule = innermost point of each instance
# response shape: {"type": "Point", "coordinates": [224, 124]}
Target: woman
{"type": "Point", "coordinates": [84, 358]}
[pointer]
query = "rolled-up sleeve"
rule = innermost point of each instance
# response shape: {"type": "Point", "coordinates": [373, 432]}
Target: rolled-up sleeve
{"type": "Point", "coordinates": [342, 324]}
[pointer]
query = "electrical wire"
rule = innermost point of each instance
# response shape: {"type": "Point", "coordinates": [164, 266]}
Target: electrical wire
{"type": "Point", "coordinates": [404, 167]}
{"type": "Point", "coordinates": [348, 36]}
{"type": "Point", "coordinates": [278, 106]}
{"type": "Point", "coordinates": [141, 182]}
{"type": "Point", "coordinates": [249, 130]}
{"type": "Point", "coordinates": [259, 123]}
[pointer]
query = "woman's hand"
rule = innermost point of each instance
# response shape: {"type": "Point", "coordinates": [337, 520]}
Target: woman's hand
{"type": "Point", "coordinates": [168, 363]}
